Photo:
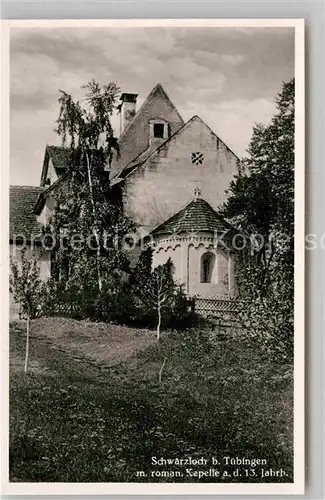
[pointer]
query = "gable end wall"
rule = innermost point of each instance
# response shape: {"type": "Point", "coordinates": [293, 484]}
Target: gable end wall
{"type": "Point", "coordinates": [136, 138]}
{"type": "Point", "coordinates": [165, 183]}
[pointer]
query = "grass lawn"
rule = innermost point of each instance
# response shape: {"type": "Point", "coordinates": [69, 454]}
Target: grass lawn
{"type": "Point", "coordinates": [91, 407]}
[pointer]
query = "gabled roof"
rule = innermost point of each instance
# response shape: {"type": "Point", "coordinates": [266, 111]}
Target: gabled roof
{"type": "Point", "coordinates": [60, 158]}
{"type": "Point", "coordinates": [198, 215]}
{"type": "Point", "coordinates": [149, 153]}
{"type": "Point", "coordinates": [134, 140]}
{"type": "Point", "coordinates": [157, 92]}
{"type": "Point", "coordinates": [22, 220]}
{"type": "Point", "coordinates": [41, 199]}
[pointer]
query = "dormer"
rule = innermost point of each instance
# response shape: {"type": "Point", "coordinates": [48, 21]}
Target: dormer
{"type": "Point", "coordinates": [159, 131]}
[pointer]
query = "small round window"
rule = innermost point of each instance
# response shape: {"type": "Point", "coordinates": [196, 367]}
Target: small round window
{"type": "Point", "coordinates": [197, 158]}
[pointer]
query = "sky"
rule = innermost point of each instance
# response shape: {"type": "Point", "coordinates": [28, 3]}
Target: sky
{"type": "Point", "coordinates": [227, 76]}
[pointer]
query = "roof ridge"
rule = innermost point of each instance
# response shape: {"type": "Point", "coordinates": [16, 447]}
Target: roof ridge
{"type": "Point", "coordinates": [56, 146]}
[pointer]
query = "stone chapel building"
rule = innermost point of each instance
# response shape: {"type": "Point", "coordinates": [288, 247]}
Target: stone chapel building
{"type": "Point", "coordinates": [172, 177]}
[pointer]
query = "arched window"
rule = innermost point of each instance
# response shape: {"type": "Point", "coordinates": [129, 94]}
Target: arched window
{"type": "Point", "coordinates": [207, 265]}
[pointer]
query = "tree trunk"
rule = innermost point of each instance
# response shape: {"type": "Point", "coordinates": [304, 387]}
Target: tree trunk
{"type": "Point", "coordinates": [159, 323]}
{"type": "Point", "coordinates": [100, 285]}
{"type": "Point", "coordinates": [161, 369]}
{"type": "Point", "coordinates": [27, 343]}
{"type": "Point", "coordinates": [95, 223]}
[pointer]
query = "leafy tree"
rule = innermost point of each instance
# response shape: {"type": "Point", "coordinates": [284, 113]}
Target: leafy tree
{"type": "Point", "coordinates": [261, 206]}
{"type": "Point", "coordinates": [153, 290]}
{"type": "Point", "coordinates": [89, 222]}
{"type": "Point", "coordinates": [29, 291]}
{"type": "Point", "coordinates": [142, 271]}
{"type": "Point", "coordinates": [158, 292]}
{"type": "Point", "coordinates": [156, 298]}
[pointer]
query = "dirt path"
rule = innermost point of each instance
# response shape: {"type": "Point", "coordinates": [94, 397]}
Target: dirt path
{"type": "Point", "coordinates": [99, 344]}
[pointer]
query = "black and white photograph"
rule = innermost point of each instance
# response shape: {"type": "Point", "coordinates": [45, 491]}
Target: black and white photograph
{"type": "Point", "coordinates": [155, 179]}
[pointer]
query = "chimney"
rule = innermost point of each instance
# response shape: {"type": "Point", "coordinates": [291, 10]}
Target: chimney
{"type": "Point", "coordinates": [127, 109]}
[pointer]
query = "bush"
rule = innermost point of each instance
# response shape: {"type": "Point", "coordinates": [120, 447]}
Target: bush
{"type": "Point", "coordinates": [158, 299]}
{"type": "Point", "coordinates": [130, 302]}
{"type": "Point", "coordinates": [269, 321]}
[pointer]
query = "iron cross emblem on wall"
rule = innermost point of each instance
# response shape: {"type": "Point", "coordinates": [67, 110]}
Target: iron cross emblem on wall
{"type": "Point", "coordinates": [197, 158]}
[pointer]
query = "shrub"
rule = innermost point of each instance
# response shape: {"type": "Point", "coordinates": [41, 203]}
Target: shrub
{"type": "Point", "coordinates": [149, 298]}
{"type": "Point", "coordinates": [158, 299]}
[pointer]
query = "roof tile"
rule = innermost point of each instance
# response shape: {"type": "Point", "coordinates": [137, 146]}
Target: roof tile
{"type": "Point", "coordinates": [198, 215]}
{"type": "Point", "coordinates": [22, 220]}
{"type": "Point", "coordinates": [59, 156]}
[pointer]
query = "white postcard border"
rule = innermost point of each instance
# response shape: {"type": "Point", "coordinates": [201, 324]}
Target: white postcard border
{"type": "Point", "coordinates": [297, 487]}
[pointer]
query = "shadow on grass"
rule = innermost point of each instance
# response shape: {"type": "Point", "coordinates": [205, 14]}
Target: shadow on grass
{"type": "Point", "coordinates": [77, 422]}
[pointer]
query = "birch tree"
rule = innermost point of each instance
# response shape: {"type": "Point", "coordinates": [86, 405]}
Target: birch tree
{"type": "Point", "coordinates": [88, 212]}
